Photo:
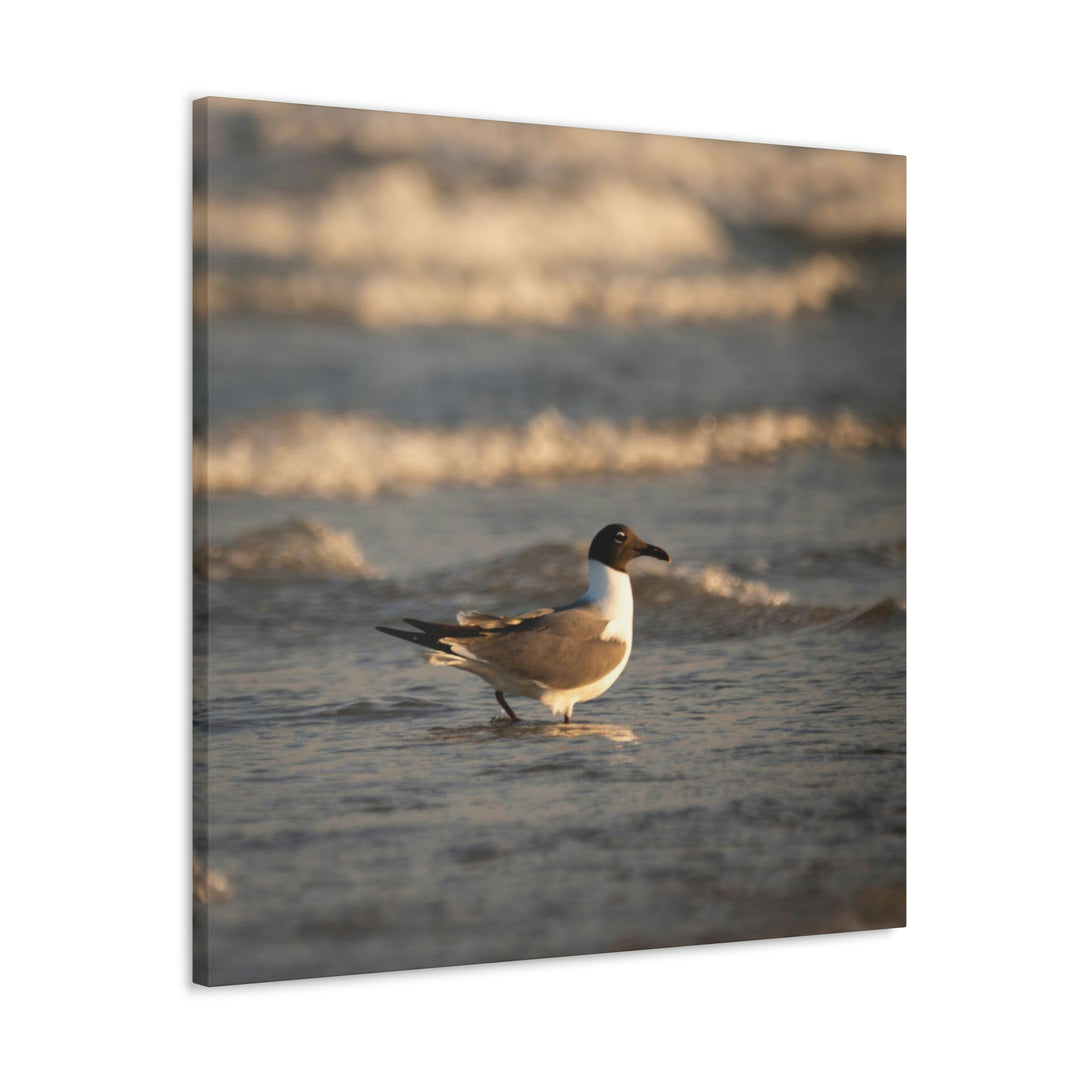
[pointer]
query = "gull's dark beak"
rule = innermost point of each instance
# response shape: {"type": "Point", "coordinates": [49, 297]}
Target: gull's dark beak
{"type": "Point", "coordinates": [654, 552]}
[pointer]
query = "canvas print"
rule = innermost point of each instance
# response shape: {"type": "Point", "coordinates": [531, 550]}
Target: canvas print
{"type": "Point", "coordinates": [549, 541]}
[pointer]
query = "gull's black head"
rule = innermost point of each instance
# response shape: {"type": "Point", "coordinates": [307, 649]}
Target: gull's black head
{"type": "Point", "coordinates": [615, 545]}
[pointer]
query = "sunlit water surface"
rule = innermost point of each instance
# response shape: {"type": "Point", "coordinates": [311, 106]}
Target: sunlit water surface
{"type": "Point", "coordinates": [743, 778]}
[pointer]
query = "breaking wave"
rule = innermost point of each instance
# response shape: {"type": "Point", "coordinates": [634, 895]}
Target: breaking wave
{"type": "Point", "coordinates": [529, 295]}
{"type": "Point", "coordinates": [721, 581]}
{"type": "Point", "coordinates": [360, 456]}
{"type": "Point", "coordinates": [820, 193]}
{"type": "Point", "coordinates": [300, 548]}
{"type": "Point", "coordinates": [555, 570]}
{"type": "Point", "coordinates": [396, 215]}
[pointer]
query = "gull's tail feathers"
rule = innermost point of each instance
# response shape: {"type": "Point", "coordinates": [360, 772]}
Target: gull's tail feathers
{"type": "Point", "coordinates": [436, 637]}
{"type": "Point", "coordinates": [427, 640]}
{"type": "Point", "coordinates": [431, 635]}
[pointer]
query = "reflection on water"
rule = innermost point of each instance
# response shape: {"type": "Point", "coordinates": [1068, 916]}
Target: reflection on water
{"type": "Point", "coordinates": [611, 732]}
{"type": "Point", "coordinates": [502, 728]}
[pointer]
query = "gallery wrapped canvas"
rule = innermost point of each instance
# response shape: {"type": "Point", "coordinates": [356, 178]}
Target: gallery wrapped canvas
{"type": "Point", "coordinates": [606, 431]}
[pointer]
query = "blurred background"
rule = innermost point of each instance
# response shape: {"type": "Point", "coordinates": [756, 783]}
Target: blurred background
{"type": "Point", "coordinates": [433, 357]}
{"type": "Point", "coordinates": [393, 220]}
{"type": "Point", "coordinates": [345, 258]}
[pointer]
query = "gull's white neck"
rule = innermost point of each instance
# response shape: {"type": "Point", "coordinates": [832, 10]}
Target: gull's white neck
{"type": "Point", "coordinates": [610, 594]}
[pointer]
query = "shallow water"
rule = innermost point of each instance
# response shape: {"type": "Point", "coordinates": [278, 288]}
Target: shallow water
{"type": "Point", "coordinates": [743, 778]}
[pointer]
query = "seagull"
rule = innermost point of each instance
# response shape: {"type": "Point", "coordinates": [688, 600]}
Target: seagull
{"type": "Point", "coordinates": [559, 656]}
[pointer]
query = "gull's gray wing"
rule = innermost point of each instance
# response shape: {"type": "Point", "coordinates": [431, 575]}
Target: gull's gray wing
{"type": "Point", "coordinates": [487, 621]}
{"type": "Point", "coordinates": [561, 649]}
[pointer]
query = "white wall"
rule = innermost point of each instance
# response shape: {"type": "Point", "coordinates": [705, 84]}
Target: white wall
{"type": "Point", "coordinates": [95, 439]}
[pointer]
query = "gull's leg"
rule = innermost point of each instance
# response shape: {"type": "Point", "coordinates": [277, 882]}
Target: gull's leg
{"type": "Point", "coordinates": [506, 708]}
{"type": "Point", "coordinates": [566, 718]}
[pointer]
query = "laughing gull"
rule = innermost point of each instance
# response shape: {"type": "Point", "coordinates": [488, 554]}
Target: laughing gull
{"type": "Point", "coordinates": [559, 656]}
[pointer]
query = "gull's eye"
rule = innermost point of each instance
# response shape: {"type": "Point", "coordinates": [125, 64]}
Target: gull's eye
{"type": "Point", "coordinates": [620, 538]}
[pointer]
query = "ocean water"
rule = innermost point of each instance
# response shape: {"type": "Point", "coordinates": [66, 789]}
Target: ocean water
{"type": "Point", "coordinates": [362, 811]}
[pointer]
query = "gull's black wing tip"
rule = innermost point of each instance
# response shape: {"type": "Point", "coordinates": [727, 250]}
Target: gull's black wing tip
{"type": "Point", "coordinates": [405, 635]}
{"type": "Point", "coordinates": [426, 639]}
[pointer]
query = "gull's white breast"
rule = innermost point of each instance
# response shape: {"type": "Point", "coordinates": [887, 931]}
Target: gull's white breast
{"type": "Point", "coordinates": [610, 596]}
